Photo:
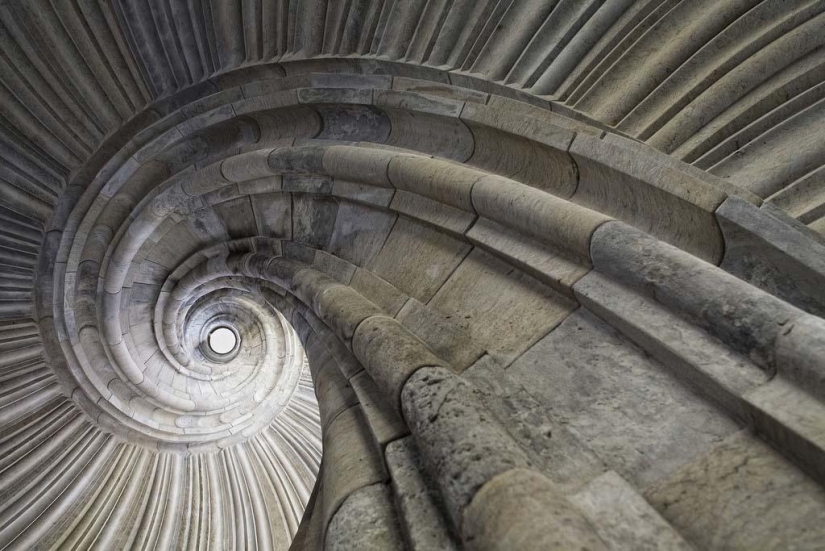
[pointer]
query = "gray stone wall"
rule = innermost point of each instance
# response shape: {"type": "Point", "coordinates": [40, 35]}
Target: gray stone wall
{"type": "Point", "coordinates": [481, 299]}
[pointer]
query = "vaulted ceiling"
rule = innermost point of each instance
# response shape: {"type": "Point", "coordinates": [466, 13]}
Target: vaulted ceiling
{"type": "Point", "coordinates": [501, 274]}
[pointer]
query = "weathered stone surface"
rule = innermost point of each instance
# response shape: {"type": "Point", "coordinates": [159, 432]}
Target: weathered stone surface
{"type": "Point", "coordinates": [362, 193]}
{"type": "Point", "coordinates": [351, 460]}
{"type": "Point", "coordinates": [791, 420]}
{"type": "Point", "coordinates": [378, 291]}
{"type": "Point", "coordinates": [386, 425]}
{"type": "Point", "coordinates": [343, 310]}
{"type": "Point", "coordinates": [390, 353]}
{"type": "Point", "coordinates": [332, 388]}
{"type": "Point", "coordinates": [687, 351]}
{"type": "Point", "coordinates": [519, 509]}
{"type": "Point", "coordinates": [359, 232]}
{"type": "Point", "coordinates": [419, 501]}
{"type": "Point", "coordinates": [799, 349]}
{"type": "Point", "coordinates": [612, 397]}
{"type": "Point", "coordinates": [447, 335]}
{"type": "Point", "coordinates": [742, 495]}
{"type": "Point", "coordinates": [505, 318]}
{"type": "Point", "coordinates": [544, 217]}
{"type": "Point", "coordinates": [607, 172]}
{"type": "Point", "coordinates": [313, 219]}
{"type": "Point", "coordinates": [273, 214]}
{"type": "Point", "coordinates": [562, 457]}
{"type": "Point", "coordinates": [463, 446]}
{"type": "Point", "coordinates": [437, 135]}
{"type": "Point", "coordinates": [418, 259]}
{"type": "Point", "coordinates": [338, 269]}
{"type": "Point", "coordinates": [770, 254]}
{"type": "Point", "coordinates": [441, 181]}
{"type": "Point", "coordinates": [744, 317]}
{"type": "Point", "coordinates": [549, 265]}
{"type": "Point", "coordinates": [167, 149]}
{"type": "Point", "coordinates": [521, 148]}
{"type": "Point", "coordinates": [432, 212]}
{"type": "Point", "coordinates": [623, 519]}
{"type": "Point", "coordinates": [365, 521]}
{"type": "Point", "coordinates": [355, 123]}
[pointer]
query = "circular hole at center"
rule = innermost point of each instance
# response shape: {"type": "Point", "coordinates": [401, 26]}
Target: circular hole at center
{"type": "Point", "coordinates": [222, 340]}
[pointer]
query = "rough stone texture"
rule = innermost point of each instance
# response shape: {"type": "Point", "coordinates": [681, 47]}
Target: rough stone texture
{"type": "Point", "coordinates": [313, 219]}
{"type": "Point", "coordinates": [462, 445]}
{"type": "Point", "coordinates": [386, 425]}
{"type": "Point", "coordinates": [359, 233]}
{"type": "Point", "coordinates": [366, 521]}
{"type": "Point", "coordinates": [550, 266]}
{"type": "Point", "coordinates": [498, 517]}
{"type": "Point", "coordinates": [352, 461]}
{"type": "Point", "coordinates": [741, 496]}
{"type": "Point", "coordinates": [688, 353]}
{"type": "Point", "coordinates": [390, 353]}
{"type": "Point", "coordinates": [299, 170]}
{"type": "Point", "coordinates": [612, 397]}
{"type": "Point", "coordinates": [505, 317]}
{"type": "Point", "coordinates": [420, 503]}
{"type": "Point", "coordinates": [623, 519]}
{"type": "Point", "coordinates": [742, 316]}
{"type": "Point", "coordinates": [563, 457]}
{"type": "Point", "coordinates": [607, 172]}
{"type": "Point", "coordinates": [378, 291]}
{"type": "Point", "coordinates": [447, 335]}
{"type": "Point", "coordinates": [773, 256]}
{"type": "Point", "coordinates": [418, 259]}
{"type": "Point", "coordinates": [798, 351]}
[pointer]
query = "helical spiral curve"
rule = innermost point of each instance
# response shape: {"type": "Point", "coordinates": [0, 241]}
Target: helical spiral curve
{"type": "Point", "coordinates": [501, 275]}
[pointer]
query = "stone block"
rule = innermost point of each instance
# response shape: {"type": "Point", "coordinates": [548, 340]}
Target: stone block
{"type": "Point", "coordinates": [448, 335]}
{"type": "Point", "coordinates": [351, 460]}
{"type": "Point", "coordinates": [563, 458]}
{"type": "Point", "coordinates": [688, 352]}
{"type": "Point", "coordinates": [313, 219]}
{"type": "Point", "coordinates": [463, 446]}
{"type": "Point", "coordinates": [505, 311]}
{"type": "Point", "coordinates": [339, 270]}
{"type": "Point", "coordinates": [520, 509]}
{"type": "Point", "coordinates": [442, 181]}
{"type": "Point", "coordinates": [366, 165]}
{"type": "Point", "coordinates": [742, 316]}
{"type": "Point", "coordinates": [445, 137]}
{"type": "Point", "coordinates": [362, 193]}
{"type": "Point", "coordinates": [742, 495]}
{"type": "Point", "coordinates": [390, 353]}
{"type": "Point", "coordinates": [542, 216]}
{"type": "Point", "coordinates": [385, 424]}
{"type": "Point", "coordinates": [378, 291]}
{"type": "Point", "coordinates": [552, 266]}
{"type": "Point", "coordinates": [612, 397]}
{"type": "Point", "coordinates": [418, 259]}
{"type": "Point", "coordinates": [623, 519]}
{"type": "Point", "coordinates": [420, 505]}
{"type": "Point", "coordinates": [359, 232]}
{"type": "Point", "coordinates": [366, 521]}
{"type": "Point", "coordinates": [767, 252]}
{"type": "Point", "coordinates": [343, 309]}
{"type": "Point", "coordinates": [442, 216]}
{"type": "Point", "coordinates": [637, 190]}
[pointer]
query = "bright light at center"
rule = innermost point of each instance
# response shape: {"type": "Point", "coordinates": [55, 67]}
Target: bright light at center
{"type": "Point", "coordinates": [222, 340]}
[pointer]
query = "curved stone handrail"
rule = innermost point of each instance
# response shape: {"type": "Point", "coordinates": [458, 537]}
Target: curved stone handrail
{"type": "Point", "coordinates": [471, 216]}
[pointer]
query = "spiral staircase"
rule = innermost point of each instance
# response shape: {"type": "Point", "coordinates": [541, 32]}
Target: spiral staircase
{"type": "Point", "coordinates": [498, 274]}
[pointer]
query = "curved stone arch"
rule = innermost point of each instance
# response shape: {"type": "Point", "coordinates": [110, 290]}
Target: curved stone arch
{"type": "Point", "coordinates": [601, 241]}
{"type": "Point", "coordinates": [544, 219]}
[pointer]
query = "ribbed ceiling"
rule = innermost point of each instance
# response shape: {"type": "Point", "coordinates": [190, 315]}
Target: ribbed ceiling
{"type": "Point", "coordinates": [439, 173]}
